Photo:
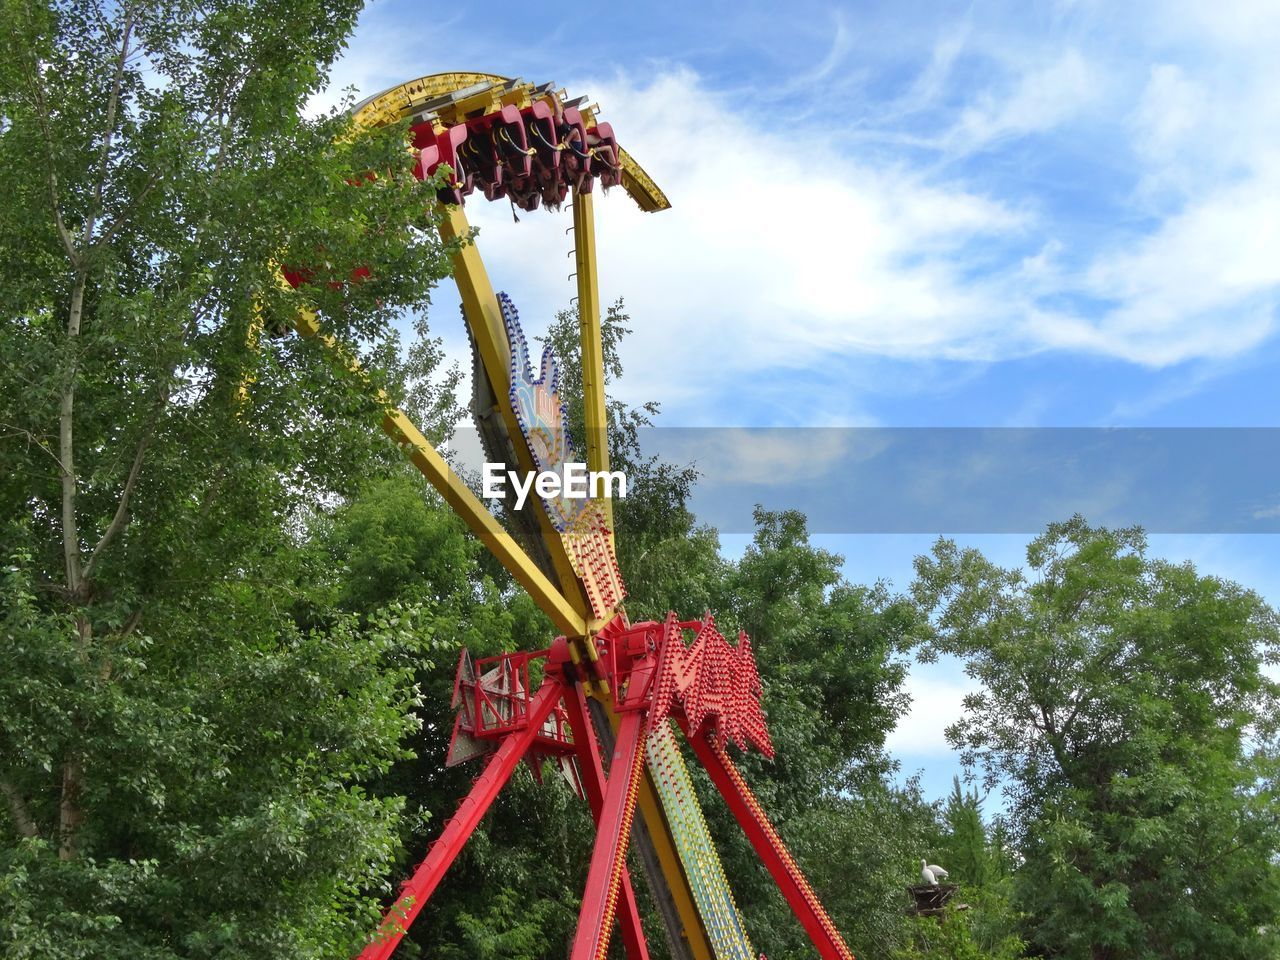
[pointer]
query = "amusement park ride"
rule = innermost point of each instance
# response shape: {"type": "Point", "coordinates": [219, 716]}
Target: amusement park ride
{"type": "Point", "coordinates": [612, 693]}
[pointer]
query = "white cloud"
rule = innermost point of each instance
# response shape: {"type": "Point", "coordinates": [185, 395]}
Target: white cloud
{"type": "Point", "coordinates": [1203, 284]}
{"type": "Point", "coordinates": [937, 700]}
{"type": "Point", "coordinates": [1042, 98]}
{"type": "Point", "coordinates": [770, 457]}
{"type": "Point", "coordinates": [1239, 24]}
{"type": "Point", "coordinates": [1173, 107]}
{"type": "Point", "coordinates": [795, 253]}
{"type": "Point", "coordinates": [786, 247]}
{"type": "Point", "coordinates": [777, 251]}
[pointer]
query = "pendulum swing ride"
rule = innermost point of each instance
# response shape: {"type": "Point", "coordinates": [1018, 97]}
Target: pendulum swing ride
{"type": "Point", "coordinates": [615, 697]}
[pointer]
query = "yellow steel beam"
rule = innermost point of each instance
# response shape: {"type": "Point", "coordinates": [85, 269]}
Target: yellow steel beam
{"type": "Point", "coordinates": [584, 242]}
{"type": "Point", "coordinates": [566, 606]}
{"type": "Point", "coordinates": [483, 524]}
{"type": "Point", "coordinates": [640, 186]}
{"type": "Point", "coordinates": [484, 318]}
{"type": "Point", "coordinates": [401, 100]}
{"type": "Point", "coordinates": [596, 417]}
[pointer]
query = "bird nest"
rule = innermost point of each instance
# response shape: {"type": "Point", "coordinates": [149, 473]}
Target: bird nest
{"type": "Point", "coordinates": [932, 899]}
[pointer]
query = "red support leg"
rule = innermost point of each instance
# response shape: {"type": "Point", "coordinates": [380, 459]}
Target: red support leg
{"type": "Point", "coordinates": [593, 784]}
{"type": "Point", "coordinates": [470, 812]}
{"type": "Point", "coordinates": [770, 849]}
{"type": "Point", "coordinates": [608, 858]}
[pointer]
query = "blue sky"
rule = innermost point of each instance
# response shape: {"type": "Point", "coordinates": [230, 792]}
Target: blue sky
{"type": "Point", "coordinates": [911, 214]}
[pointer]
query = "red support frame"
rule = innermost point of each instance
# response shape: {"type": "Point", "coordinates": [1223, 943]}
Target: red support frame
{"type": "Point", "coordinates": [711, 689]}
{"type": "Point", "coordinates": [503, 711]}
{"type": "Point", "coordinates": [418, 888]}
{"type": "Point", "coordinates": [613, 830]}
{"type": "Point", "coordinates": [587, 749]}
{"type": "Point", "coordinates": [769, 847]}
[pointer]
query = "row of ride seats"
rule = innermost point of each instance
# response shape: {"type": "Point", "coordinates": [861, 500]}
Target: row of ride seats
{"type": "Point", "coordinates": [533, 156]}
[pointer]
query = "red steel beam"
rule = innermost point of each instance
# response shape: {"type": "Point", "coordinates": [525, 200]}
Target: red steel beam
{"type": "Point", "coordinates": [593, 784]}
{"type": "Point", "coordinates": [608, 857]}
{"type": "Point", "coordinates": [418, 888]}
{"type": "Point", "coordinates": [770, 848]}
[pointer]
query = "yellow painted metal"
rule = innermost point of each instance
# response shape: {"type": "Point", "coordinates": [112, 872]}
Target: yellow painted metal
{"type": "Point", "coordinates": [483, 524]}
{"type": "Point", "coordinates": [584, 242]}
{"type": "Point", "coordinates": [401, 100]}
{"type": "Point", "coordinates": [484, 318]}
{"type": "Point", "coordinates": [251, 339]}
{"type": "Point", "coordinates": [640, 186]}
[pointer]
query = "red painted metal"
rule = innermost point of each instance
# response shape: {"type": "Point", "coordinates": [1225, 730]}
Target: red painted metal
{"type": "Point", "coordinates": [769, 847]}
{"type": "Point", "coordinates": [418, 888]}
{"type": "Point", "coordinates": [613, 830]}
{"type": "Point", "coordinates": [593, 783]}
{"type": "Point", "coordinates": [714, 685]}
{"type": "Point", "coordinates": [710, 687]}
{"type": "Point", "coordinates": [604, 158]}
{"type": "Point", "coordinates": [443, 146]}
{"type": "Point", "coordinates": [491, 696]}
{"type": "Point", "coordinates": [534, 156]}
{"type": "Point", "coordinates": [501, 704]}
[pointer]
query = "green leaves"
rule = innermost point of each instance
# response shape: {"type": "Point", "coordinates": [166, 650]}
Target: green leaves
{"type": "Point", "coordinates": [1126, 708]}
{"type": "Point", "coordinates": [185, 743]}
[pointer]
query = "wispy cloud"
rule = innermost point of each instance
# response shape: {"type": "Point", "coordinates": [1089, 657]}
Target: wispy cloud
{"type": "Point", "coordinates": [774, 239]}
{"type": "Point", "coordinates": [1041, 98]}
{"type": "Point", "coordinates": [794, 243]}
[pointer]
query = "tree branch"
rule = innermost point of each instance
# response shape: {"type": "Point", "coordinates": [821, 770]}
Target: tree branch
{"type": "Point", "coordinates": [211, 494]}
{"type": "Point", "coordinates": [130, 210]}
{"type": "Point", "coordinates": [69, 813]}
{"type": "Point", "coordinates": [32, 438]}
{"type": "Point", "coordinates": [108, 132]}
{"type": "Point", "coordinates": [121, 518]}
{"type": "Point", "coordinates": [32, 73]}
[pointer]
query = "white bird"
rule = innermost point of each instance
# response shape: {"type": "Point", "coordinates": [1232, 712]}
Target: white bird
{"type": "Point", "coordinates": [931, 872]}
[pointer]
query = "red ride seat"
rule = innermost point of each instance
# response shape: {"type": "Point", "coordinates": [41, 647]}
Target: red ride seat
{"type": "Point", "coordinates": [604, 155]}
{"type": "Point", "coordinates": [496, 150]}
{"type": "Point", "coordinates": [540, 133]}
{"type": "Point", "coordinates": [443, 147]}
{"type": "Point", "coordinates": [511, 141]}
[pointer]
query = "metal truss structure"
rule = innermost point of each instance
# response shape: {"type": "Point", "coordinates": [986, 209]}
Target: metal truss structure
{"type": "Point", "coordinates": [614, 696]}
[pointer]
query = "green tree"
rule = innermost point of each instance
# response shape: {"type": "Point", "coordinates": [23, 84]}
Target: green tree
{"type": "Point", "coordinates": [968, 857]}
{"type": "Point", "coordinates": [1125, 704]}
{"type": "Point", "coordinates": [979, 862]}
{"type": "Point", "coordinates": [831, 658]}
{"type": "Point", "coordinates": [513, 891]}
{"type": "Point", "coordinates": [954, 937]}
{"type": "Point", "coordinates": [183, 760]}
{"type": "Point", "coordinates": [860, 848]}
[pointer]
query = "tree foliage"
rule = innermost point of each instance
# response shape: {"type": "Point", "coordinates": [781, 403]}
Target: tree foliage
{"type": "Point", "coordinates": [184, 760]}
{"type": "Point", "coordinates": [1125, 704]}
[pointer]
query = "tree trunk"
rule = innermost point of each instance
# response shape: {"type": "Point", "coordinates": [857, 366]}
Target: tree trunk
{"type": "Point", "coordinates": [69, 812]}
{"type": "Point", "coordinates": [66, 446]}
